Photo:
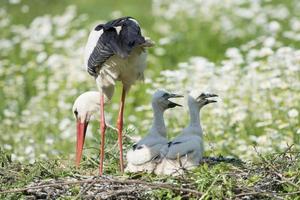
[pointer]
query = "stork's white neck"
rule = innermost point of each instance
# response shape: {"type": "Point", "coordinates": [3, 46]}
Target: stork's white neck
{"type": "Point", "coordinates": [195, 118]}
{"type": "Point", "coordinates": [158, 124]}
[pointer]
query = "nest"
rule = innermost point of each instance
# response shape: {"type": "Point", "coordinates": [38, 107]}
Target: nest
{"type": "Point", "coordinates": [265, 179]}
{"type": "Point", "coordinates": [96, 187]}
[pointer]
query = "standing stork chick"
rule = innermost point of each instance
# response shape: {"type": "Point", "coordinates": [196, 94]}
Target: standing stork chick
{"type": "Point", "coordinates": [186, 150]}
{"type": "Point", "coordinates": [116, 51]}
{"type": "Point", "coordinates": [84, 107]}
{"type": "Point", "coordinates": [143, 155]}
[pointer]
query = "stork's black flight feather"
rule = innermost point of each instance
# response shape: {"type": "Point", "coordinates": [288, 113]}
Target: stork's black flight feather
{"type": "Point", "coordinates": [119, 37]}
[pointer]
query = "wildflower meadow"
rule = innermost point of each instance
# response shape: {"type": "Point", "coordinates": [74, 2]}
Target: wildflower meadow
{"type": "Point", "coordinates": [247, 52]}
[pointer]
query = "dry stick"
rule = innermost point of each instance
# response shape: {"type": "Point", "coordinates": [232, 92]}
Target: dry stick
{"type": "Point", "coordinates": [151, 185]}
{"type": "Point", "coordinates": [85, 189]}
{"type": "Point", "coordinates": [210, 187]}
{"type": "Point", "coordinates": [276, 172]}
{"type": "Point", "coordinates": [290, 193]}
{"type": "Point", "coordinates": [118, 192]}
{"type": "Point", "coordinates": [288, 149]}
{"type": "Point", "coordinates": [259, 192]}
{"type": "Point", "coordinates": [269, 194]}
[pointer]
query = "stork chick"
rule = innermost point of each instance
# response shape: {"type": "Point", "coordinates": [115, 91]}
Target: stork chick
{"type": "Point", "coordinates": [186, 150]}
{"type": "Point", "coordinates": [143, 155]}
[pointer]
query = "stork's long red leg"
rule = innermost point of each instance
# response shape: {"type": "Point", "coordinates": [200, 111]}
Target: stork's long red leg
{"type": "Point", "coordinates": [103, 128]}
{"type": "Point", "coordinates": [81, 131]}
{"type": "Point", "coordinates": [120, 128]}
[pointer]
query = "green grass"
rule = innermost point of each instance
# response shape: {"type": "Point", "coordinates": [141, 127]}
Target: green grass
{"type": "Point", "coordinates": [270, 176]}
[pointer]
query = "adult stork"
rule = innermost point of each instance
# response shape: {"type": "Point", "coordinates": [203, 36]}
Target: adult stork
{"type": "Point", "coordinates": [145, 153]}
{"type": "Point", "coordinates": [115, 51]}
{"type": "Point", "coordinates": [186, 150]}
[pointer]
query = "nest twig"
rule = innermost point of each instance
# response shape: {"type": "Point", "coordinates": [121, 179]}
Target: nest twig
{"type": "Point", "coordinates": [97, 187]}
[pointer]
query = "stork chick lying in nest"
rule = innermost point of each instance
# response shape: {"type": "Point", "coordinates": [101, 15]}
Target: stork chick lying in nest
{"type": "Point", "coordinates": [186, 150]}
{"type": "Point", "coordinates": [144, 154]}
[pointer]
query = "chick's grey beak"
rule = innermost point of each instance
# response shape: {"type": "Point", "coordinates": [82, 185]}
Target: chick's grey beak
{"type": "Point", "coordinates": [173, 104]}
{"type": "Point", "coordinates": [175, 96]}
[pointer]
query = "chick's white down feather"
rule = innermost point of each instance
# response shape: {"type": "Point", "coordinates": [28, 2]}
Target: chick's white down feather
{"type": "Point", "coordinates": [186, 150]}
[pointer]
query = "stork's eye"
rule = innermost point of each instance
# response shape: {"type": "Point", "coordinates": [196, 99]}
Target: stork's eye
{"type": "Point", "coordinates": [76, 113]}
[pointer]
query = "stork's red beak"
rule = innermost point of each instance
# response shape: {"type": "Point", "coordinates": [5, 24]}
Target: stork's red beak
{"type": "Point", "coordinates": [81, 131]}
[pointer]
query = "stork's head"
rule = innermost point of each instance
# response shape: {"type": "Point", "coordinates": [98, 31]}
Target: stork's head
{"type": "Point", "coordinates": [201, 100]}
{"type": "Point", "coordinates": [161, 99]}
{"type": "Point", "coordinates": [85, 105]}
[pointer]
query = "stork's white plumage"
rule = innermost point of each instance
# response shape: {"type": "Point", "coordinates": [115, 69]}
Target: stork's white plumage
{"type": "Point", "coordinates": [186, 150]}
{"type": "Point", "coordinates": [85, 105]}
{"type": "Point", "coordinates": [116, 51]}
{"type": "Point", "coordinates": [143, 155]}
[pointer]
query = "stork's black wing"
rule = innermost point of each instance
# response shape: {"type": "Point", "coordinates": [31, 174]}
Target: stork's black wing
{"type": "Point", "coordinates": [119, 37]}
